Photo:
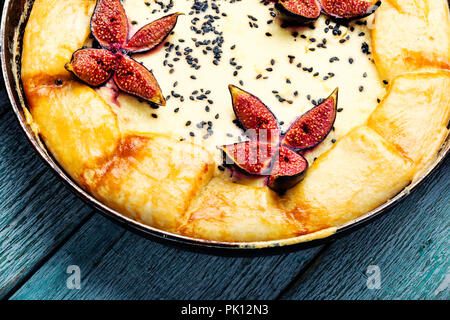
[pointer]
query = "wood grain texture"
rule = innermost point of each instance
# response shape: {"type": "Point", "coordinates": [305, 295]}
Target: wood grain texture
{"type": "Point", "coordinates": [121, 265]}
{"type": "Point", "coordinates": [410, 245]}
{"type": "Point", "coordinates": [29, 230]}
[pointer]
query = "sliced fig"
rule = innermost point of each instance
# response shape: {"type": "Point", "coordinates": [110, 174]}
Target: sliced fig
{"type": "Point", "coordinates": [252, 157]}
{"type": "Point", "coordinates": [93, 66]}
{"type": "Point", "coordinates": [298, 11]}
{"type": "Point", "coordinates": [254, 116]}
{"type": "Point", "coordinates": [288, 170]}
{"type": "Point", "coordinates": [109, 24]}
{"type": "Point", "coordinates": [152, 34]}
{"type": "Point", "coordinates": [312, 127]}
{"type": "Point", "coordinates": [349, 9]}
{"type": "Point", "coordinates": [133, 78]}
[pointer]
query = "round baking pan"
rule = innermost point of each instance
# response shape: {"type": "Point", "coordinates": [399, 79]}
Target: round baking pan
{"type": "Point", "coordinates": [14, 18]}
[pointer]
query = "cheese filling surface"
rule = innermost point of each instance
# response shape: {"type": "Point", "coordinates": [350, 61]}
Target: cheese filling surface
{"type": "Point", "coordinates": [217, 43]}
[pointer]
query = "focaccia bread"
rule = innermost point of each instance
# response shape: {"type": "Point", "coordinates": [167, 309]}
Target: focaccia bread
{"type": "Point", "coordinates": [162, 164]}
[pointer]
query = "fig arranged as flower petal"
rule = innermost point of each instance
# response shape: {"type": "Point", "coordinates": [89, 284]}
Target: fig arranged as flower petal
{"type": "Point", "coordinates": [298, 11]}
{"type": "Point", "coordinates": [349, 9]}
{"type": "Point", "coordinates": [93, 66]}
{"type": "Point", "coordinates": [252, 157]}
{"type": "Point", "coordinates": [109, 24]}
{"type": "Point", "coordinates": [152, 34]}
{"type": "Point", "coordinates": [288, 170]}
{"type": "Point", "coordinates": [312, 127]}
{"type": "Point", "coordinates": [133, 78]}
{"type": "Point", "coordinates": [254, 116]}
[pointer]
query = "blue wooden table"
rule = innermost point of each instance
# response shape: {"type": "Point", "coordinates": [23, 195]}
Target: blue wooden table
{"type": "Point", "coordinates": [44, 229]}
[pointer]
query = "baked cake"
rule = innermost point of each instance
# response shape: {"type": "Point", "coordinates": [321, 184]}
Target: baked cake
{"type": "Point", "coordinates": [240, 120]}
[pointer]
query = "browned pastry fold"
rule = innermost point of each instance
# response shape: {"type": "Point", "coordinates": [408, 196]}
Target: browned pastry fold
{"type": "Point", "coordinates": [357, 175]}
{"type": "Point", "coordinates": [151, 178]}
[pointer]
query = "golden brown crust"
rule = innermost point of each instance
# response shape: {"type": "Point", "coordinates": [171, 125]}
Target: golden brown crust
{"type": "Point", "coordinates": [151, 178]}
{"type": "Point", "coordinates": [227, 211]}
{"type": "Point", "coordinates": [169, 184]}
{"type": "Point", "coordinates": [414, 115]}
{"type": "Point", "coordinates": [76, 124]}
{"type": "Point", "coordinates": [410, 36]}
{"type": "Point", "coordinates": [357, 175]}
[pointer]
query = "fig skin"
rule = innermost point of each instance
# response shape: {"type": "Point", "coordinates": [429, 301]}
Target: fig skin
{"type": "Point", "coordinates": [349, 9]}
{"type": "Point", "coordinates": [289, 169]}
{"type": "Point", "coordinates": [93, 66]}
{"type": "Point", "coordinates": [109, 24]}
{"type": "Point", "coordinates": [251, 157]}
{"type": "Point", "coordinates": [152, 34]}
{"type": "Point", "coordinates": [289, 11]}
{"type": "Point", "coordinates": [254, 116]}
{"type": "Point", "coordinates": [313, 127]}
{"type": "Point", "coordinates": [135, 79]}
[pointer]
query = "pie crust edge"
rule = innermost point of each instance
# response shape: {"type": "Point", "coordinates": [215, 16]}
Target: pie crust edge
{"type": "Point", "coordinates": [81, 131]}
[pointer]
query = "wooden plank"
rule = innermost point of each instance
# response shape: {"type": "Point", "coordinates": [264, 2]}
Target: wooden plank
{"type": "Point", "coordinates": [37, 212]}
{"type": "Point", "coordinates": [116, 264]}
{"type": "Point", "coordinates": [409, 244]}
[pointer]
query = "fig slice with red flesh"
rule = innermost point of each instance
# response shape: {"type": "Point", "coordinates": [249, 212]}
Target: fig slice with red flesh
{"type": "Point", "coordinates": [312, 127]}
{"type": "Point", "coordinates": [135, 79]}
{"type": "Point", "coordinates": [254, 116]}
{"type": "Point", "coordinates": [109, 24]}
{"type": "Point", "coordinates": [93, 66]}
{"type": "Point", "coordinates": [349, 9]}
{"type": "Point", "coordinates": [298, 11]}
{"type": "Point", "coordinates": [288, 170]}
{"type": "Point", "coordinates": [152, 34]}
{"type": "Point", "coordinates": [252, 157]}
